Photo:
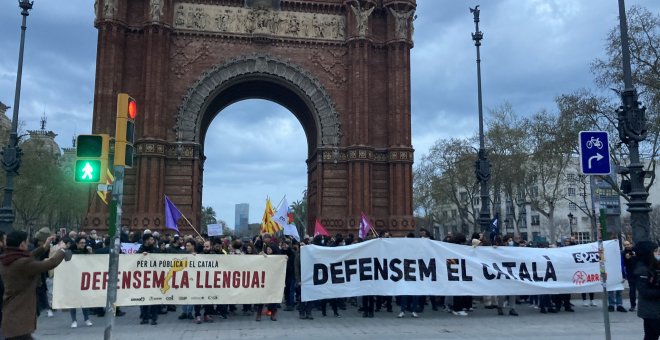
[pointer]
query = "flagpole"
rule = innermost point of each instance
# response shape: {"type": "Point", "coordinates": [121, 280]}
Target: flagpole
{"type": "Point", "coordinates": [278, 204]}
{"type": "Point", "coordinates": [190, 224]}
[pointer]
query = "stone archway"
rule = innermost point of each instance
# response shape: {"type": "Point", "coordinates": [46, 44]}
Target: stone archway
{"type": "Point", "coordinates": [342, 67]}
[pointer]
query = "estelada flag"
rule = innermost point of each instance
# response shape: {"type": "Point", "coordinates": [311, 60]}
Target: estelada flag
{"type": "Point", "coordinates": [319, 229]}
{"type": "Point", "coordinates": [268, 225]}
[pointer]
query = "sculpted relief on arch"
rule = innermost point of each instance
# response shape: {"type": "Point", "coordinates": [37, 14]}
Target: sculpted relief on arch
{"type": "Point", "coordinates": [239, 20]}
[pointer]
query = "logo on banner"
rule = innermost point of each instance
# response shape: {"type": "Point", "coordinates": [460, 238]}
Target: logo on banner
{"type": "Point", "coordinates": [587, 257]}
{"type": "Point", "coordinates": [579, 278]}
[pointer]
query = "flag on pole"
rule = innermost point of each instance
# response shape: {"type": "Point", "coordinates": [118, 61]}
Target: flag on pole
{"type": "Point", "coordinates": [172, 215]}
{"type": "Point", "coordinates": [105, 194]}
{"type": "Point", "coordinates": [494, 228]}
{"type": "Point", "coordinates": [280, 217]}
{"type": "Point", "coordinates": [319, 229]}
{"type": "Point", "coordinates": [268, 225]}
{"type": "Point", "coordinates": [365, 226]}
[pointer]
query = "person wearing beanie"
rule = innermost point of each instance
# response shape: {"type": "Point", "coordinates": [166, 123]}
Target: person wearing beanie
{"type": "Point", "coordinates": [148, 311]}
{"type": "Point", "coordinates": [647, 276]}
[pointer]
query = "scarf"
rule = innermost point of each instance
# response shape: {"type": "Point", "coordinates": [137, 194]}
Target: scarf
{"type": "Point", "coordinates": [12, 254]}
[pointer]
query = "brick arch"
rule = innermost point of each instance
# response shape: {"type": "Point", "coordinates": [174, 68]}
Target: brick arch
{"type": "Point", "coordinates": [190, 120]}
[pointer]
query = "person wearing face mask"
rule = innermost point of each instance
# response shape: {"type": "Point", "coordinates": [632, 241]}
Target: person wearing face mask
{"type": "Point", "coordinates": [647, 277]}
{"type": "Point", "coordinates": [629, 261]}
{"type": "Point", "coordinates": [508, 241]}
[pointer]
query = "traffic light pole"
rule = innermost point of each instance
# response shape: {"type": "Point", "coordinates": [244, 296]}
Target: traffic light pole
{"type": "Point", "coordinates": [113, 262]}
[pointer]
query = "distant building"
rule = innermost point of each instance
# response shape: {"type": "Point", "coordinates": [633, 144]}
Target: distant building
{"type": "Point", "coordinates": [242, 213]}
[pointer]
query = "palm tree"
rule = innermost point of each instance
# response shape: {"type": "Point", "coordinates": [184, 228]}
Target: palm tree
{"type": "Point", "coordinates": [208, 217]}
{"type": "Point", "coordinates": [300, 214]}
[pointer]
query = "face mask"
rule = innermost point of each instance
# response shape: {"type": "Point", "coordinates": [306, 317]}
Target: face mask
{"type": "Point", "coordinates": [657, 257]}
{"type": "Point", "coordinates": [510, 243]}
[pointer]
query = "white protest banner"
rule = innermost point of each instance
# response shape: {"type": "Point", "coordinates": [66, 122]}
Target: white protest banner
{"type": "Point", "coordinates": [214, 229]}
{"type": "Point", "coordinates": [171, 279]}
{"type": "Point", "coordinates": [407, 266]}
{"type": "Point", "coordinates": [129, 248]}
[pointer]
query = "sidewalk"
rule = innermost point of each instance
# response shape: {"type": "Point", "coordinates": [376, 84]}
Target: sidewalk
{"type": "Point", "coordinates": [585, 323]}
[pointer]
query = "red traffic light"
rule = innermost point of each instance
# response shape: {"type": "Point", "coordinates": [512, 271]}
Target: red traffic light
{"type": "Point", "coordinates": [132, 108]}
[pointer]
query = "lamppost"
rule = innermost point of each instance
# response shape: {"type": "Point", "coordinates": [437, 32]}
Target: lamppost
{"type": "Point", "coordinates": [570, 222]}
{"type": "Point", "coordinates": [632, 130]}
{"type": "Point", "coordinates": [482, 164]}
{"type": "Point", "coordinates": [11, 153]}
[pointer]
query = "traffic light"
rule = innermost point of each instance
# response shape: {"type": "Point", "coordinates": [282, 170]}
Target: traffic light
{"type": "Point", "coordinates": [125, 130]}
{"type": "Point", "coordinates": [91, 158]}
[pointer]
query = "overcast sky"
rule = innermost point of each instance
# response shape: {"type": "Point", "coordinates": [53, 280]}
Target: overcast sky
{"type": "Point", "coordinates": [532, 51]}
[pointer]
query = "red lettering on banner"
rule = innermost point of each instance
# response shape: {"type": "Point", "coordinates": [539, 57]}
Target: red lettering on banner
{"type": "Point", "coordinates": [105, 280]}
{"type": "Point", "coordinates": [125, 280]}
{"type": "Point", "coordinates": [216, 279]}
{"type": "Point", "coordinates": [158, 280]}
{"type": "Point", "coordinates": [96, 279]}
{"type": "Point", "coordinates": [137, 277]}
{"type": "Point", "coordinates": [207, 284]}
{"type": "Point", "coordinates": [237, 279]}
{"type": "Point", "coordinates": [226, 279]}
{"type": "Point", "coordinates": [263, 279]}
{"type": "Point", "coordinates": [198, 280]}
{"type": "Point", "coordinates": [255, 280]}
{"type": "Point", "coordinates": [174, 281]}
{"type": "Point", "coordinates": [246, 279]}
{"type": "Point", "coordinates": [184, 280]}
{"type": "Point", "coordinates": [146, 279]}
{"type": "Point", "coordinates": [84, 281]}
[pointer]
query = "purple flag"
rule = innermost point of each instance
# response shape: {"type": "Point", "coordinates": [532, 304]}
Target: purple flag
{"type": "Point", "coordinates": [172, 215]}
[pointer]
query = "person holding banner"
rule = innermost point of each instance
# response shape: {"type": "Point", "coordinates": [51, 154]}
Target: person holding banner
{"type": "Point", "coordinates": [148, 311]}
{"type": "Point", "coordinates": [20, 271]}
{"type": "Point", "coordinates": [80, 248]}
{"type": "Point", "coordinates": [269, 249]}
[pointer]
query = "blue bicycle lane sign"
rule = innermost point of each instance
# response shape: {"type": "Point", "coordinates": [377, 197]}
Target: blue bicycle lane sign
{"type": "Point", "coordinates": [594, 153]}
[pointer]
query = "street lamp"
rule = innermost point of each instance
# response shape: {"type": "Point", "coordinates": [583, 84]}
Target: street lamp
{"type": "Point", "coordinates": [482, 164]}
{"type": "Point", "coordinates": [632, 130]}
{"type": "Point", "coordinates": [570, 222]}
{"type": "Point", "coordinates": [11, 153]}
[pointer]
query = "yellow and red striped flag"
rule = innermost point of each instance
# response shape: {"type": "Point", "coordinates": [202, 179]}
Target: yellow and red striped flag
{"type": "Point", "coordinates": [268, 225]}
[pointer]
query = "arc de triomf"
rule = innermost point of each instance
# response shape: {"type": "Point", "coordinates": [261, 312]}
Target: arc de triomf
{"type": "Point", "coordinates": [342, 67]}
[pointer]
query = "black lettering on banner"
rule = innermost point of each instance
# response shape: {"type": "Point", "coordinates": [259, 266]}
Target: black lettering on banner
{"type": "Point", "coordinates": [452, 273]}
{"type": "Point", "coordinates": [487, 274]}
{"type": "Point", "coordinates": [350, 268]}
{"type": "Point", "coordinates": [408, 270]}
{"type": "Point", "coordinates": [320, 268]}
{"type": "Point", "coordinates": [396, 270]}
{"type": "Point", "coordinates": [464, 275]}
{"type": "Point", "coordinates": [380, 270]}
{"type": "Point", "coordinates": [336, 272]}
{"type": "Point", "coordinates": [500, 273]}
{"type": "Point", "coordinates": [365, 269]}
{"type": "Point", "coordinates": [535, 275]}
{"type": "Point", "coordinates": [523, 273]}
{"type": "Point", "coordinates": [549, 270]}
{"type": "Point", "coordinates": [427, 271]}
{"type": "Point", "coordinates": [509, 268]}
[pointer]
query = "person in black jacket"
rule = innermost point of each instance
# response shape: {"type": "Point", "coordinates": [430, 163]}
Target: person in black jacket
{"type": "Point", "coordinates": [150, 311]}
{"type": "Point", "coordinates": [647, 275]}
{"type": "Point", "coordinates": [290, 280]}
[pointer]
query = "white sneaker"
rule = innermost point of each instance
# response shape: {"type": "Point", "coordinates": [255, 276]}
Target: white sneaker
{"type": "Point", "coordinates": [49, 313]}
{"type": "Point", "coordinates": [402, 314]}
{"type": "Point", "coordinates": [593, 303]}
{"type": "Point", "coordinates": [88, 323]}
{"type": "Point", "coordinates": [414, 315]}
{"type": "Point", "coordinates": [462, 313]}
{"type": "Point", "coordinates": [74, 324]}
{"type": "Point", "coordinates": [585, 303]}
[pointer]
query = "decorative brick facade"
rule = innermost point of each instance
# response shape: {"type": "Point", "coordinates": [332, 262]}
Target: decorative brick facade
{"type": "Point", "coordinates": [341, 67]}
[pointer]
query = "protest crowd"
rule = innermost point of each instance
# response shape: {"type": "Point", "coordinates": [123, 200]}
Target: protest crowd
{"type": "Point", "coordinates": [82, 243]}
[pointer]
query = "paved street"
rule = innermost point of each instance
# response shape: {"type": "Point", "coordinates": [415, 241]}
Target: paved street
{"type": "Point", "coordinates": [585, 323]}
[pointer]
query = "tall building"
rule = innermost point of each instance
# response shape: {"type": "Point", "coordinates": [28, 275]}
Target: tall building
{"type": "Point", "coordinates": [241, 218]}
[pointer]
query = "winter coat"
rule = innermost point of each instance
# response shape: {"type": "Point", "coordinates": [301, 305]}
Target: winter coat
{"type": "Point", "coordinates": [20, 276]}
{"type": "Point", "coordinates": [648, 306]}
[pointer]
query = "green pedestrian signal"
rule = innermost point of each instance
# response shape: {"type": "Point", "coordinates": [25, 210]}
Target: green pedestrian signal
{"type": "Point", "coordinates": [92, 158]}
{"type": "Point", "coordinates": [88, 170]}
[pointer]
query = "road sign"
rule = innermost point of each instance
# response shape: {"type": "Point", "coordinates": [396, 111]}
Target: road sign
{"type": "Point", "coordinates": [594, 153]}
